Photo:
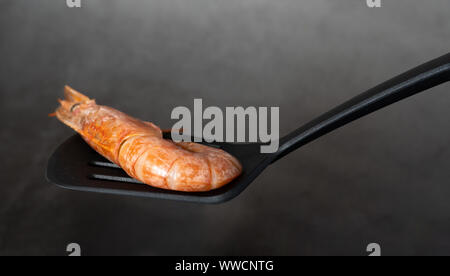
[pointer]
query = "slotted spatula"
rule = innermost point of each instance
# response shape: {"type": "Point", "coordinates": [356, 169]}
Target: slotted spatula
{"type": "Point", "coordinates": [74, 165]}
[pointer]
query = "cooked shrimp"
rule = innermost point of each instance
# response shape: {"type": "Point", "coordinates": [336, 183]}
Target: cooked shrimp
{"type": "Point", "coordinates": [140, 150]}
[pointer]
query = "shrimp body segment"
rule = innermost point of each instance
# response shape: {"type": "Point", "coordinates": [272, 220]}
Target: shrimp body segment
{"type": "Point", "coordinates": [140, 150]}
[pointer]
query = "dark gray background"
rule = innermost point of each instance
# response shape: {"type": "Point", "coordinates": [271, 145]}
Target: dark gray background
{"type": "Point", "coordinates": [384, 178]}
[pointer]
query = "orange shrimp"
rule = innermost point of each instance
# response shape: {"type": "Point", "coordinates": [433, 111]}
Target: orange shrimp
{"type": "Point", "coordinates": [140, 150]}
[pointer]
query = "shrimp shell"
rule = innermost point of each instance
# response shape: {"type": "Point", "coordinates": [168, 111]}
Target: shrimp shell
{"type": "Point", "coordinates": [140, 150]}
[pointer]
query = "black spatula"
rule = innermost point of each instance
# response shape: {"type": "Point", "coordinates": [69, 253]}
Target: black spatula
{"type": "Point", "coordinates": [74, 165]}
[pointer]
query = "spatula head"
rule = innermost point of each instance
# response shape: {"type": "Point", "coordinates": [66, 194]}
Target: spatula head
{"type": "Point", "coordinates": [76, 166]}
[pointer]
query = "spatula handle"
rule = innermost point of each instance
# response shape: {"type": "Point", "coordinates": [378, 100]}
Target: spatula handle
{"type": "Point", "coordinates": [419, 79]}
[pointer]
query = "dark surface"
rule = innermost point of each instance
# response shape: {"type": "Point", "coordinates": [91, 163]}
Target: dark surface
{"type": "Point", "coordinates": [384, 178]}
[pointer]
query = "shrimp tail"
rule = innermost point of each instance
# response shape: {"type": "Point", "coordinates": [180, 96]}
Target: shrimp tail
{"type": "Point", "coordinates": [72, 99]}
{"type": "Point", "coordinates": [74, 96]}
